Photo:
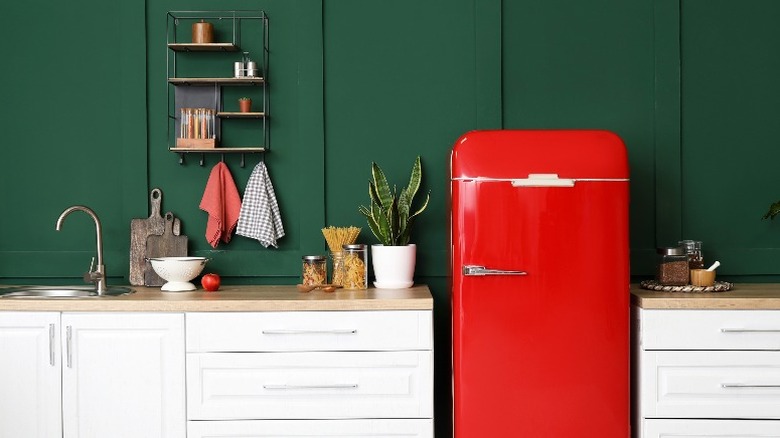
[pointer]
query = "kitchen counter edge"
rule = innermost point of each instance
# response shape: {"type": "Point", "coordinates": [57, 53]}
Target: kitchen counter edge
{"type": "Point", "coordinates": [749, 296]}
{"type": "Point", "coordinates": [234, 299]}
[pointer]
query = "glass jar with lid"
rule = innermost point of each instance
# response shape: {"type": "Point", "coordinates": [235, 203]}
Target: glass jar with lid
{"type": "Point", "coordinates": [314, 271]}
{"type": "Point", "coordinates": [693, 250]}
{"type": "Point", "coordinates": [672, 267]}
{"type": "Point", "coordinates": [355, 266]}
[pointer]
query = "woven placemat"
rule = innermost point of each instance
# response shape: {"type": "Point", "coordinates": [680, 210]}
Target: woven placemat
{"type": "Point", "coordinates": [719, 286]}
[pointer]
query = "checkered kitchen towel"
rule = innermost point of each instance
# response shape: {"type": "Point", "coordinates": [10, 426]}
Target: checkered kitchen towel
{"type": "Point", "coordinates": [259, 217]}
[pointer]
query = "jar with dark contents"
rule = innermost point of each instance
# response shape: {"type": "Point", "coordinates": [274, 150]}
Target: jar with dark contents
{"type": "Point", "coordinates": [314, 271]}
{"type": "Point", "coordinates": [672, 267]}
{"type": "Point", "coordinates": [693, 250]}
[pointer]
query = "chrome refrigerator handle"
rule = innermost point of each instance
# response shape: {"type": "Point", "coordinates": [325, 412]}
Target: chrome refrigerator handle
{"type": "Point", "coordinates": [473, 270]}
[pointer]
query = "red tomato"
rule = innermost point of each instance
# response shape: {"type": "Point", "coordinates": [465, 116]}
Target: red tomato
{"type": "Point", "coordinates": [210, 282]}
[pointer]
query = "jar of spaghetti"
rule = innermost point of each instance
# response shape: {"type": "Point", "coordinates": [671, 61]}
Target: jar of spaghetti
{"type": "Point", "coordinates": [355, 266]}
{"type": "Point", "coordinates": [314, 271]}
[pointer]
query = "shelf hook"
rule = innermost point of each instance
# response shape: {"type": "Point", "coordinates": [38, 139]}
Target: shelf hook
{"type": "Point", "coordinates": [181, 158]}
{"type": "Point", "coordinates": [223, 157]}
{"type": "Point", "coordinates": [202, 159]}
{"type": "Point", "coordinates": [243, 163]}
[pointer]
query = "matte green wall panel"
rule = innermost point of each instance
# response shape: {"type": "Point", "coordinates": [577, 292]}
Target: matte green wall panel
{"type": "Point", "coordinates": [573, 64]}
{"type": "Point", "coordinates": [730, 131]}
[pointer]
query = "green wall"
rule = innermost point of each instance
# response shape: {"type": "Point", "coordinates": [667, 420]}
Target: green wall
{"type": "Point", "coordinates": [690, 86]}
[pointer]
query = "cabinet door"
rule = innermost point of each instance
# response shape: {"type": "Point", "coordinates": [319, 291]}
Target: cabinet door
{"type": "Point", "coordinates": [410, 428]}
{"type": "Point", "coordinates": [123, 375]}
{"type": "Point", "coordinates": [710, 428]}
{"type": "Point", "coordinates": [30, 375]}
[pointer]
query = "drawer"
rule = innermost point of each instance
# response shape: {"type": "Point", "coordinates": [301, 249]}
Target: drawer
{"type": "Point", "coordinates": [710, 429]}
{"type": "Point", "coordinates": [710, 329]}
{"type": "Point", "coordinates": [710, 384]}
{"type": "Point", "coordinates": [310, 331]}
{"type": "Point", "coordinates": [412, 428]}
{"type": "Point", "coordinates": [313, 385]}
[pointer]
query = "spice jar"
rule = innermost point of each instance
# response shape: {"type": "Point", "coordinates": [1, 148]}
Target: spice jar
{"type": "Point", "coordinates": [355, 267]}
{"type": "Point", "coordinates": [314, 271]}
{"type": "Point", "coordinates": [693, 250]}
{"type": "Point", "coordinates": [672, 268]}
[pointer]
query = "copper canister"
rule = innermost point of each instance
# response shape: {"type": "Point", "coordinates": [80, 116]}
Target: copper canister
{"type": "Point", "coordinates": [202, 32]}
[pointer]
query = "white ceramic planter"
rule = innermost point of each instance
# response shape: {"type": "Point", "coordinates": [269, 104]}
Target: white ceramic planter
{"type": "Point", "coordinates": [393, 266]}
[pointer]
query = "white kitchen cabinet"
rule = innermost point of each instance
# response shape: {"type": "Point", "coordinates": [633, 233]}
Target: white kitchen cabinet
{"type": "Point", "coordinates": [711, 429]}
{"type": "Point", "coordinates": [705, 373]}
{"type": "Point", "coordinates": [408, 428]}
{"type": "Point", "coordinates": [345, 373]}
{"type": "Point", "coordinates": [30, 375]}
{"type": "Point", "coordinates": [123, 375]}
{"type": "Point", "coordinates": [92, 375]}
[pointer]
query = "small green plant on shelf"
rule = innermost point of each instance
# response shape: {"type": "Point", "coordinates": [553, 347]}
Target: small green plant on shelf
{"type": "Point", "coordinates": [245, 104]}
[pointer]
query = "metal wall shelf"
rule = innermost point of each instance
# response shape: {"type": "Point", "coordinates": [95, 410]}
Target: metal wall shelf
{"type": "Point", "coordinates": [203, 47]}
{"type": "Point", "coordinates": [228, 25]}
{"type": "Point", "coordinates": [216, 81]}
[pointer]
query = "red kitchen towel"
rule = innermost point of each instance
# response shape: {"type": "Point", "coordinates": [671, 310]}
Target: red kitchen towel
{"type": "Point", "coordinates": [222, 203]}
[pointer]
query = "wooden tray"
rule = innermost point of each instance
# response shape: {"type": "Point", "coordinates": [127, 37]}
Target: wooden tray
{"type": "Point", "coordinates": [719, 286]}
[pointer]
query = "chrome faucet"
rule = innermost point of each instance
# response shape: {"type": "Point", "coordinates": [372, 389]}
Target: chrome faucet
{"type": "Point", "coordinates": [98, 275]}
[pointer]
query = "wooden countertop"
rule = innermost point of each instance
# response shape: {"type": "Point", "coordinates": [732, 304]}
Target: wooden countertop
{"type": "Point", "coordinates": [234, 299]}
{"type": "Point", "coordinates": [747, 296]}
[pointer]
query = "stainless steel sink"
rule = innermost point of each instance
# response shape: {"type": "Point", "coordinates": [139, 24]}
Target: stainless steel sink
{"type": "Point", "coordinates": [61, 292]}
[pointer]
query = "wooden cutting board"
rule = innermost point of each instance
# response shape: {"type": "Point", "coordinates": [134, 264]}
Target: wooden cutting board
{"type": "Point", "coordinates": [140, 230]}
{"type": "Point", "coordinates": [165, 245]}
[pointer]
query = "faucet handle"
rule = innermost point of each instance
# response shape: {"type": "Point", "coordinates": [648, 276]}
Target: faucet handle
{"type": "Point", "coordinates": [89, 276]}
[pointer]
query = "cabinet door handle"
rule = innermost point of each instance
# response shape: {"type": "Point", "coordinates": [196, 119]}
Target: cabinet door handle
{"type": "Point", "coordinates": [745, 385]}
{"type": "Point", "coordinates": [736, 330]}
{"type": "Point", "coordinates": [310, 332]}
{"type": "Point", "coordinates": [68, 345]}
{"type": "Point", "coordinates": [51, 344]}
{"type": "Point", "coordinates": [331, 386]}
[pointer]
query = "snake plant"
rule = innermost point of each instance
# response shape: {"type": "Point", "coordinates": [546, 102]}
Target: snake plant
{"type": "Point", "coordinates": [389, 213]}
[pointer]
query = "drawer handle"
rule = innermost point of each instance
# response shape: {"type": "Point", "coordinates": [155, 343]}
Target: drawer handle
{"type": "Point", "coordinates": [311, 332]}
{"type": "Point", "coordinates": [333, 386]}
{"type": "Point", "coordinates": [744, 385]}
{"type": "Point", "coordinates": [734, 330]}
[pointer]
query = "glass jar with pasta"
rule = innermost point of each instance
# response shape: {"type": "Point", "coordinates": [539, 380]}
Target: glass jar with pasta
{"type": "Point", "coordinates": [355, 266]}
{"type": "Point", "coordinates": [314, 271]}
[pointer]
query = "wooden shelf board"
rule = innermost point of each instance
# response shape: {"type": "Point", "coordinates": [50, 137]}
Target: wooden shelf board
{"type": "Point", "coordinates": [239, 115]}
{"type": "Point", "coordinates": [221, 150]}
{"type": "Point", "coordinates": [203, 47]}
{"type": "Point", "coordinates": [211, 81]}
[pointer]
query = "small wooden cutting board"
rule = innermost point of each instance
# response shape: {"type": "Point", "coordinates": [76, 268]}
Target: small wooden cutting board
{"type": "Point", "coordinates": [165, 245]}
{"type": "Point", "coordinates": [140, 230]}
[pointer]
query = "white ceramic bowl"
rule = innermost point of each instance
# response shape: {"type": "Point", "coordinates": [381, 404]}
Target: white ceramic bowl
{"type": "Point", "coordinates": [178, 271]}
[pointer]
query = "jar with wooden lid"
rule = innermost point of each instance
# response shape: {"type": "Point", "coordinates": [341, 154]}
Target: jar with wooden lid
{"type": "Point", "coordinates": [314, 271]}
{"type": "Point", "coordinates": [355, 266]}
{"type": "Point", "coordinates": [672, 266]}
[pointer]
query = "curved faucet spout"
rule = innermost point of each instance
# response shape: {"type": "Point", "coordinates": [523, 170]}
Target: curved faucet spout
{"type": "Point", "coordinates": [99, 274]}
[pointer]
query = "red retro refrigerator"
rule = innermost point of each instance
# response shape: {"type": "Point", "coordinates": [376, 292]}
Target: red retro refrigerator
{"type": "Point", "coordinates": [540, 284]}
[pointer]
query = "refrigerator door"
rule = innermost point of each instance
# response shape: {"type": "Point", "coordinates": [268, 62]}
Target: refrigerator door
{"type": "Point", "coordinates": [542, 349]}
